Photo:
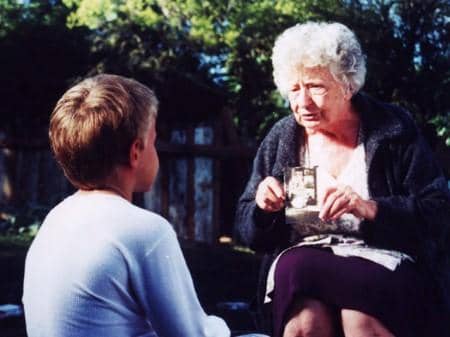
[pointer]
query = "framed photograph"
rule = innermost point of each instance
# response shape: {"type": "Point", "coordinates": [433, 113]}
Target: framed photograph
{"type": "Point", "coordinates": [300, 184]}
{"type": "Point", "coordinates": [301, 207]}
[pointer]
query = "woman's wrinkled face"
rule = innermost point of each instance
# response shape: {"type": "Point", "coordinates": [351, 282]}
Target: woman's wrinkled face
{"type": "Point", "coordinates": [318, 101]}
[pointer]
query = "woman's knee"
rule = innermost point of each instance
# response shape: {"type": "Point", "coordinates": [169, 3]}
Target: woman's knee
{"type": "Point", "coordinates": [294, 263]}
{"type": "Point", "coordinates": [359, 324]}
{"type": "Point", "coordinates": [309, 318]}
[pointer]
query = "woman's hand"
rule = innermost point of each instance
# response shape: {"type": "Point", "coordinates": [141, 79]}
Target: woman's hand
{"type": "Point", "coordinates": [340, 200]}
{"type": "Point", "coordinates": [270, 195]}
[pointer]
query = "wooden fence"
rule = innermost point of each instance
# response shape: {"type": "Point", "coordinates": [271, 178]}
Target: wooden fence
{"type": "Point", "coordinates": [197, 187]}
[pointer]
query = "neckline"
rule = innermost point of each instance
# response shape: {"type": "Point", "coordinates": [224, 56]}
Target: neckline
{"type": "Point", "coordinates": [350, 163]}
{"type": "Point", "coordinates": [307, 157]}
{"type": "Point", "coordinates": [101, 192]}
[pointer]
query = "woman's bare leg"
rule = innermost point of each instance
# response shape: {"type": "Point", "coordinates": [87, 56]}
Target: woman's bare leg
{"type": "Point", "coordinates": [309, 318]}
{"type": "Point", "coordinates": [358, 324]}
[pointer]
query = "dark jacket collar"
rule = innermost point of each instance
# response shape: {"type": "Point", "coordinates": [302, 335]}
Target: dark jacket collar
{"type": "Point", "coordinates": [289, 136]}
{"type": "Point", "coordinates": [380, 122]}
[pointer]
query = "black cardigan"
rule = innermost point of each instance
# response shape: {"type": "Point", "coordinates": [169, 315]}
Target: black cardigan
{"type": "Point", "coordinates": [403, 177]}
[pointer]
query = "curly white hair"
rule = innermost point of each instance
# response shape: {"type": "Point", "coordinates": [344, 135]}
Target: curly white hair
{"type": "Point", "coordinates": [318, 44]}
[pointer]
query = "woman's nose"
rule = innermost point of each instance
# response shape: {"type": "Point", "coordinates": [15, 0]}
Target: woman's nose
{"type": "Point", "coordinates": [300, 99]}
{"type": "Point", "coordinates": [303, 98]}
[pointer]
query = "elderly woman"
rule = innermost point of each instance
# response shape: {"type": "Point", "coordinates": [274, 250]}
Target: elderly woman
{"type": "Point", "coordinates": [377, 273]}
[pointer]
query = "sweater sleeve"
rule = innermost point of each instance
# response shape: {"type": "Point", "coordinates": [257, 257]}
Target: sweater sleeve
{"type": "Point", "coordinates": [168, 295]}
{"type": "Point", "coordinates": [262, 231]}
{"type": "Point", "coordinates": [417, 214]}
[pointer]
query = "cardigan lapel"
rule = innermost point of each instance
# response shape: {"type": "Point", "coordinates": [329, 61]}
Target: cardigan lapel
{"type": "Point", "coordinates": [379, 123]}
{"type": "Point", "coordinates": [288, 151]}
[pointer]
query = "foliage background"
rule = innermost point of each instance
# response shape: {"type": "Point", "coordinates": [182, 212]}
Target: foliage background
{"type": "Point", "coordinates": [201, 57]}
{"type": "Point", "coordinates": [202, 54]}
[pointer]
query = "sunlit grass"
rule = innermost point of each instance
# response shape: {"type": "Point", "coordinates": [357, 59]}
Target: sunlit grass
{"type": "Point", "coordinates": [11, 244]}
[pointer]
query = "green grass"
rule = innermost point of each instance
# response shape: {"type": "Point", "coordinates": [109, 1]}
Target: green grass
{"type": "Point", "coordinates": [11, 243]}
{"type": "Point", "coordinates": [13, 249]}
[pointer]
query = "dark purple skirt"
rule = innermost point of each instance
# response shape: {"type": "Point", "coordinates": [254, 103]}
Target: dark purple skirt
{"type": "Point", "coordinates": [398, 299]}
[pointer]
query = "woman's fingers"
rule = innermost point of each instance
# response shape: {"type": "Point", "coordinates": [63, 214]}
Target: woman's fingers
{"type": "Point", "coordinates": [350, 202]}
{"type": "Point", "coordinates": [276, 187]}
{"type": "Point", "coordinates": [270, 195]}
{"type": "Point", "coordinates": [269, 202]}
{"type": "Point", "coordinates": [337, 201]}
{"type": "Point", "coordinates": [340, 200]}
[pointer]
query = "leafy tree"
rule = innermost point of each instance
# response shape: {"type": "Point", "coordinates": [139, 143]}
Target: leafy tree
{"type": "Point", "coordinates": [9, 13]}
{"type": "Point", "coordinates": [210, 53]}
{"type": "Point", "coordinates": [442, 125]}
{"type": "Point", "coordinates": [407, 44]}
{"type": "Point", "coordinates": [136, 38]}
{"type": "Point", "coordinates": [221, 45]}
{"type": "Point", "coordinates": [40, 57]}
{"type": "Point", "coordinates": [231, 41]}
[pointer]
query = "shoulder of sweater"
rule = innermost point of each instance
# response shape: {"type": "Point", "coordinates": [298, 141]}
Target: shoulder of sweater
{"type": "Point", "coordinates": [386, 120]}
{"type": "Point", "coordinates": [147, 217]}
{"type": "Point", "coordinates": [144, 228]}
{"type": "Point", "coordinates": [283, 128]}
{"type": "Point", "coordinates": [285, 122]}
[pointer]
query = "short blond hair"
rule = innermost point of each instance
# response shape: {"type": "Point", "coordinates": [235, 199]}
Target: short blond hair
{"type": "Point", "coordinates": [94, 125]}
{"type": "Point", "coordinates": [319, 44]}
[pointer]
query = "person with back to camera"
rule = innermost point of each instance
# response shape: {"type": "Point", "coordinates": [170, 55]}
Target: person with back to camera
{"type": "Point", "coordinates": [99, 265]}
{"type": "Point", "coordinates": [384, 270]}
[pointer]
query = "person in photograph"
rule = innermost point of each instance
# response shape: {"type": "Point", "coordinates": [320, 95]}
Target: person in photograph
{"type": "Point", "coordinates": [384, 269]}
{"type": "Point", "coordinates": [99, 265]}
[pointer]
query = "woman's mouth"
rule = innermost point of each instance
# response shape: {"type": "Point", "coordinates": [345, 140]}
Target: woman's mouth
{"type": "Point", "coordinates": [308, 116]}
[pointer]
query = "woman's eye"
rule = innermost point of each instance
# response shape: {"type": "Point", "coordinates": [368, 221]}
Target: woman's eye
{"type": "Point", "coordinates": [293, 91]}
{"type": "Point", "coordinates": [317, 89]}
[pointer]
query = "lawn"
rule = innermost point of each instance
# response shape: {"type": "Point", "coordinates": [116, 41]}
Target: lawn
{"type": "Point", "coordinates": [12, 256]}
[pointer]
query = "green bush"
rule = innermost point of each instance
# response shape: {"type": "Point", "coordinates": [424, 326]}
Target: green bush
{"type": "Point", "coordinates": [442, 126]}
{"type": "Point", "coordinates": [19, 227]}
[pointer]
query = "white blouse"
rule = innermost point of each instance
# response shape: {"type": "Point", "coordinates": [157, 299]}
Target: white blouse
{"type": "Point", "coordinates": [355, 176]}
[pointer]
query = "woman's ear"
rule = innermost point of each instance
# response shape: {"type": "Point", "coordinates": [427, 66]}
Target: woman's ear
{"type": "Point", "coordinates": [348, 93]}
{"type": "Point", "coordinates": [135, 152]}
